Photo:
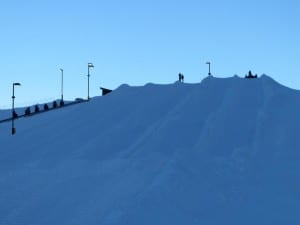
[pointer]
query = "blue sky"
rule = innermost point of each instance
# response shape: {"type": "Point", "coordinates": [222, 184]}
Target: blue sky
{"type": "Point", "coordinates": [137, 42]}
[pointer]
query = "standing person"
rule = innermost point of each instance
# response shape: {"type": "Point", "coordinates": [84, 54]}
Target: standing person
{"type": "Point", "coordinates": [179, 77]}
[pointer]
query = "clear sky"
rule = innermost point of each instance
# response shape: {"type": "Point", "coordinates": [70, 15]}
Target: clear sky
{"type": "Point", "coordinates": [137, 42]}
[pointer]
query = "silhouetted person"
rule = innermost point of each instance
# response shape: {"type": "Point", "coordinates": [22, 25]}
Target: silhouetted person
{"type": "Point", "coordinates": [36, 109]}
{"type": "Point", "coordinates": [46, 107]}
{"type": "Point", "coordinates": [54, 104]}
{"type": "Point", "coordinates": [15, 115]}
{"type": "Point", "coordinates": [61, 103]}
{"type": "Point", "coordinates": [27, 111]}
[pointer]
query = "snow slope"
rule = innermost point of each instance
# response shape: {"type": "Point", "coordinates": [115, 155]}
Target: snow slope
{"type": "Point", "coordinates": [225, 151]}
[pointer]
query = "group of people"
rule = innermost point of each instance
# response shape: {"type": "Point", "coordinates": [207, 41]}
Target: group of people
{"type": "Point", "coordinates": [180, 77]}
{"type": "Point", "coordinates": [46, 108]}
{"type": "Point", "coordinates": [250, 75]}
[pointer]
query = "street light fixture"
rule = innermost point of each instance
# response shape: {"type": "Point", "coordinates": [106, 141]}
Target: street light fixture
{"type": "Point", "coordinates": [13, 129]}
{"type": "Point", "coordinates": [90, 65]}
{"type": "Point", "coordinates": [62, 85]}
{"type": "Point", "coordinates": [209, 73]}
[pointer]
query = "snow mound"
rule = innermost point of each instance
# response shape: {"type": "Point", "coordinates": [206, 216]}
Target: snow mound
{"type": "Point", "coordinates": [224, 151]}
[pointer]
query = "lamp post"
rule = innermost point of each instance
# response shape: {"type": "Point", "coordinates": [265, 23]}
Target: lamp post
{"type": "Point", "coordinates": [208, 68]}
{"type": "Point", "coordinates": [13, 129]}
{"type": "Point", "coordinates": [62, 85]}
{"type": "Point", "coordinates": [90, 65]}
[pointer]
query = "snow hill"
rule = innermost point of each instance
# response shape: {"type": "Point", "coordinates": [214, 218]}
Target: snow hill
{"type": "Point", "coordinates": [225, 151]}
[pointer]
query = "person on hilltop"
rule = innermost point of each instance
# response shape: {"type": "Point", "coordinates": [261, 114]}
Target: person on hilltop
{"type": "Point", "coordinates": [180, 77]}
{"type": "Point", "coordinates": [250, 75]}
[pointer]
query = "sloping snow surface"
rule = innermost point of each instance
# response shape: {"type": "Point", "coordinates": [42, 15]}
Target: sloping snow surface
{"type": "Point", "coordinates": [225, 151]}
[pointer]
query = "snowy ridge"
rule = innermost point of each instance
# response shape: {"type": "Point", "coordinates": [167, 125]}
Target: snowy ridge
{"type": "Point", "coordinates": [225, 151]}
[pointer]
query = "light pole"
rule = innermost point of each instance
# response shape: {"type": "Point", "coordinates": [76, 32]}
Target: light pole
{"type": "Point", "coordinates": [90, 65]}
{"type": "Point", "coordinates": [62, 85]}
{"type": "Point", "coordinates": [208, 68]}
{"type": "Point", "coordinates": [13, 129]}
